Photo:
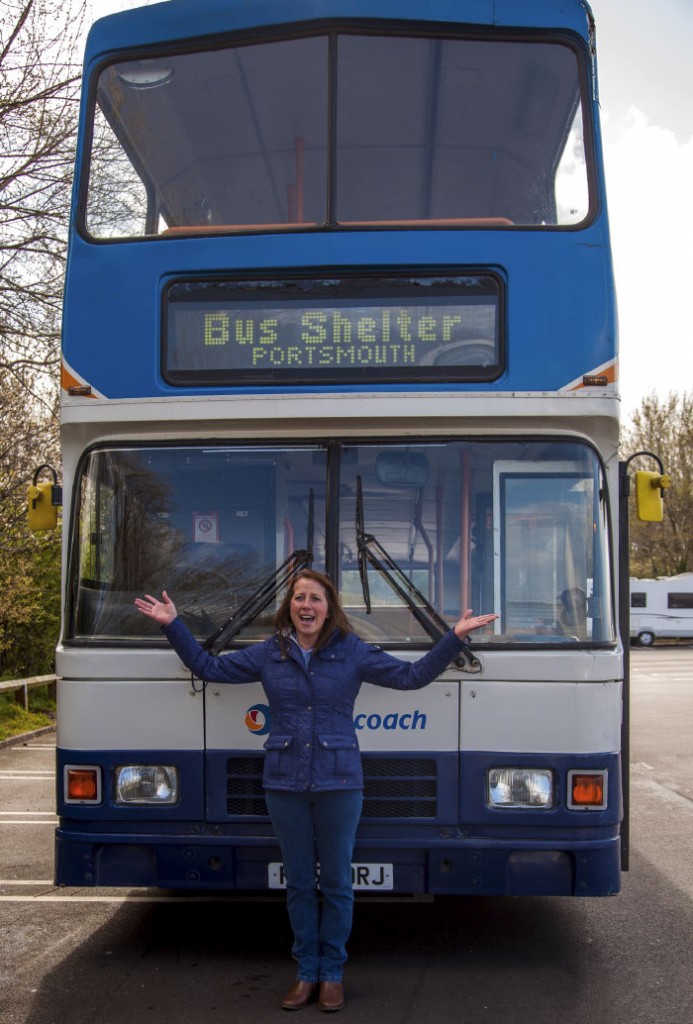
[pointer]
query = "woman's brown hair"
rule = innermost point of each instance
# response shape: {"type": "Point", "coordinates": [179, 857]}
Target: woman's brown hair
{"type": "Point", "coordinates": [336, 619]}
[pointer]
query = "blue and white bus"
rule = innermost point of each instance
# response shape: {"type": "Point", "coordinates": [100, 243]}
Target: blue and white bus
{"type": "Point", "coordinates": [339, 292]}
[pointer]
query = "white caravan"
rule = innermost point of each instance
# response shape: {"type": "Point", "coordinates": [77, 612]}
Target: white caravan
{"type": "Point", "coordinates": [661, 608]}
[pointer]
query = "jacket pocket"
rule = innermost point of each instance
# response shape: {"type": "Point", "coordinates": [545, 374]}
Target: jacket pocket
{"type": "Point", "coordinates": [279, 758]}
{"type": "Point", "coordinates": [330, 664]}
{"type": "Point", "coordinates": [340, 757]}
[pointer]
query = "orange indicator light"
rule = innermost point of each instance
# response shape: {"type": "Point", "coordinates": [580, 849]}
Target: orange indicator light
{"type": "Point", "coordinates": [82, 784]}
{"type": "Point", "coordinates": [588, 790]}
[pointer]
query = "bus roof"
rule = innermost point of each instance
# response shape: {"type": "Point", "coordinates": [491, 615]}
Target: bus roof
{"type": "Point", "coordinates": [183, 19]}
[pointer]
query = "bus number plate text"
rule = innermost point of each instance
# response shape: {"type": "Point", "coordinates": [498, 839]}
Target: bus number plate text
{"type": "Point", "coordinates": [364, 877]}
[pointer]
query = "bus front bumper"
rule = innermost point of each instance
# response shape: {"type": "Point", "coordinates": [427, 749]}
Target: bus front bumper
{"type": "Point", "coordinates": [461, 866]}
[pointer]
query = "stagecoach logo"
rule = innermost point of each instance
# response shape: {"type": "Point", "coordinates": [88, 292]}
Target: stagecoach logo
{"type": "Point", "coordinates": [257, 719]}
{"type": "Point", "coordinates": [375, 722]}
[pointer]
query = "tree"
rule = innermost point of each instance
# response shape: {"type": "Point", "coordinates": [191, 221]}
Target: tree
{"type": "Point", "coordinates": [29, 565]}
{"type": "Point", "coordinates": [39, 87]}
{"type": "Point", "coordinates": [664, 427]}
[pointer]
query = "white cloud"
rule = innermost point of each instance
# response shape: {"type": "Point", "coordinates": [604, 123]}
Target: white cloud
{"type": "Point", "coordinates": [650, 198]}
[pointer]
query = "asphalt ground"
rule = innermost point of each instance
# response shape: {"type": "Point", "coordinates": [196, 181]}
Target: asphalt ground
{"type": "Point", "coordinates": [87, 956]}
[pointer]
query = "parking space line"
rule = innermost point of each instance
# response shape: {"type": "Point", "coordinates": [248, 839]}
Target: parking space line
{"type": "Point", "coordinates": [26, 776]}
{"type": "Point", "coordinates": [31, 821]}
{"type": "Point", "coordinates": [15, 814]}
{"type": "Point", "coordinates": [58, 898]}
{"type": "Point", "coordinates": [26, 881]}
{"type": "Point", "coordinates": [35, 746]}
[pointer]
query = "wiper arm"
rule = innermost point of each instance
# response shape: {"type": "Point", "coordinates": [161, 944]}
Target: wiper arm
{"type": "Point", "coordinates": [264, 595]}
{"type": "Point", "coordinates": [371, 552]}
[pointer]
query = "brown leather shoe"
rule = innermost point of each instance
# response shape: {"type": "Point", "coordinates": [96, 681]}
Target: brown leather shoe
{"type": "Point", "coordinates": [331, 996]}
{"type": "Point", "coordinates": [299, 995]}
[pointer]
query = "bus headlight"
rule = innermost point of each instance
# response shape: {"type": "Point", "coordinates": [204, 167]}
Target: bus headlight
{"type": "Point", "coordinates": [520, 787]}
{"type": "Point", "coordinates": [146, 784]}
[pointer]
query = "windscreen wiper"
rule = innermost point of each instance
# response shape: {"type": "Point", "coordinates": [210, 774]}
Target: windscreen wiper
{"type": "Point", "coordinates": [267, 591]}
{"type": "Point", "coordinates": [371, 552]}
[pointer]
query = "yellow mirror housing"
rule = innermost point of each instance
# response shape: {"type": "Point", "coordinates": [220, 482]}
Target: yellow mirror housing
{"type": "Point", "coordinates": [44, 501]}
{"type": "Point", "coordinates": [649, 490]}
{"type": "Point", "coordinates": [43, 514]}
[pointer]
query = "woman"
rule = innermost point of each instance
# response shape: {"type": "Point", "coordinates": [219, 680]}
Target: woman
{"type": "Point", "coordinates": [311, 670]}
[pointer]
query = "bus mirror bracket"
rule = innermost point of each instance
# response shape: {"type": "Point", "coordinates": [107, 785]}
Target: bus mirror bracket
{"type": "Point", "coordinates": [649, 488]}
{"type": "Point", "coordinates": [649, 493]}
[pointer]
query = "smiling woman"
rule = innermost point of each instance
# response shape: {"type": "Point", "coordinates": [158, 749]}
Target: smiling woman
{"type": "Point", "coordinates": [308, 610]}
{"type": "Point", "coordinates": [310, 613]}
{"type": "Point", "coordinates": [311, 670]}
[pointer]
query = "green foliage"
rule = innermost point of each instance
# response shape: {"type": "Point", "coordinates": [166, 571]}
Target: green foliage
{"type": "Point", "coordinates": [30, 613]}
{"type": "Point", "coordinates": [15, 720]}
{"type": "Point", "coordinates": [664, 427]}
{"type": "Point", "coordinates": [29, 564]}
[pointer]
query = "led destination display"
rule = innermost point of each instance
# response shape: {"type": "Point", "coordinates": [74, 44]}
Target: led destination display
{"type": "Point", "coordinates": [333, 330]}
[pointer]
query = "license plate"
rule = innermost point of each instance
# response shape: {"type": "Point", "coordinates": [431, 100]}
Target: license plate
{"type": "Point", "coordinates": [364, 877]}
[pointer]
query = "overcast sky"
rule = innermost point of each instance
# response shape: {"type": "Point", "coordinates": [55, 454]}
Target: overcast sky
{"type": "Point", "coordinates": [646, 88]}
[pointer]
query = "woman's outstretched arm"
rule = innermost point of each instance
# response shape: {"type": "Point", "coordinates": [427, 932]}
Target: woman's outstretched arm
{"type": "Point", "coordinates": [468, 622]}
{"type": "Point", "coordinates": [163, 612]}
{"type": "Point", "coordinates": [236, 667]}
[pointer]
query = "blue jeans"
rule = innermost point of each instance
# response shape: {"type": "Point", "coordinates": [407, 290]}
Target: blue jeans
{"type": "Point", "coordinates": [317, 828]}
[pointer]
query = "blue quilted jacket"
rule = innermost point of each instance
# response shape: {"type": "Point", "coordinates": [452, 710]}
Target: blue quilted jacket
{"type": "Point", "coordinates": [312, 744]}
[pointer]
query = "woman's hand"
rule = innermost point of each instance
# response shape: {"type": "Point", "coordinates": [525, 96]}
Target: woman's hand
{"type": "Point", "coordinates": [163, 612]}
{"type": "Point", "coordinates": [468, 622]}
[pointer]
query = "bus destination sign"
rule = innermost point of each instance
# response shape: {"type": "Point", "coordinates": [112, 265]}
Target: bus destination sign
{"type": "Point", "coordinates": [333, 331]}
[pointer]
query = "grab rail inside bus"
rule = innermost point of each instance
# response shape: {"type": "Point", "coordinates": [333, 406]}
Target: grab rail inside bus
{"type": "Point", "coordinates": [267, 591]}
{"type": "Point", "coordinates": [371, 552]}
{"type": "Point", "coordinates": [439, 222]}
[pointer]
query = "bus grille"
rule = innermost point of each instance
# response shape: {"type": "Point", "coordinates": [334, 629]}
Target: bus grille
{"type": "Point", "coordinates": [244, 792]}
{"type": "Point", "coordinates": [398, 787]}
{"type": "Point", "coordinates": [394, 787]}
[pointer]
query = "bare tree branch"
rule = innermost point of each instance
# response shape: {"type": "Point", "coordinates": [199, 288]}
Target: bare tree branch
{"type": "Point", "coordinates": [665, 427]}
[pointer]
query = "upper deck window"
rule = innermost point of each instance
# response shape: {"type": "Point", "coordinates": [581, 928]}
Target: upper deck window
{"type": "Point", "coordinates": [340, 129]}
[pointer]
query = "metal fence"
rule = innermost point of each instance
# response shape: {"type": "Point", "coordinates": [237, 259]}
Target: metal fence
{"type": "Point", "coordinates": [21, 687]}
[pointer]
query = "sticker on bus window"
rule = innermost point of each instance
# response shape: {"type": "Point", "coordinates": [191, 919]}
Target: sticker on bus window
{"type": "Point", "coordinates": [206, 527]}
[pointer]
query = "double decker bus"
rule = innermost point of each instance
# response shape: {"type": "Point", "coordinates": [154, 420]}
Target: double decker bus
{"type": "Point", "coordinates": [339, 293]}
